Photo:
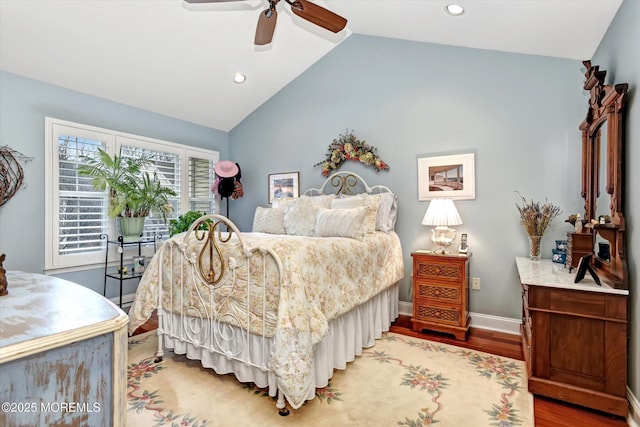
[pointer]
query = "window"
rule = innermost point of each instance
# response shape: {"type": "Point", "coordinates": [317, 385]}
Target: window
{"type": "Point", "coordinates": [165, 165]}
{"type": "Point", "coordinates": [76, 214]}
{"type": "Point", "coordinates": [200, 183]}
{"type": "Point", "coordinates": [81, 209]}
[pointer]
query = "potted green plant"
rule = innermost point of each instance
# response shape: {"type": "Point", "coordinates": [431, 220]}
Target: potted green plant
{"type": "Point", "coordinates": [132, 194]}
{"type": "Point", "coordinates": [184, 221]}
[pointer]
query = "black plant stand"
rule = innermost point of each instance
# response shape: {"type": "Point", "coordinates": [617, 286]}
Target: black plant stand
{"type": "Point", "coordinates": [117, 273]}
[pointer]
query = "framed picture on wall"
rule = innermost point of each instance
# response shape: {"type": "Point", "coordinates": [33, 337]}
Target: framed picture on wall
{"type": "Point", "coordinates": [450, 177]}
{"type": "Point", "coordinates": [286, 184]}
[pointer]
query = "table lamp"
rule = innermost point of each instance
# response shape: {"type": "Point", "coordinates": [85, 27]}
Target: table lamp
{"type": "Point", "coordinates": [441, 214]}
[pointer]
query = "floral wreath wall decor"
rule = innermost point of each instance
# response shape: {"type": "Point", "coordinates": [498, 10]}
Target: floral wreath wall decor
{"type": "Point", "coordinates": [348, 147]}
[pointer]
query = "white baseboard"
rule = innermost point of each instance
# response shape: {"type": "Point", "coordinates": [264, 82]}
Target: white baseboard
{"type": "Point", "coordinates": [478, 320]}
{"type": "Point", "coordinates": [405, 308]}
{"type": "Point", "coordinates": [634, 410]}
{"type": "Point", "coordinates": [496, 323]}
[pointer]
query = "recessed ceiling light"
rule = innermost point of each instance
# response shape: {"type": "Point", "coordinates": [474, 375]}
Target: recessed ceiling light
{"type": "Point", "coordinates": [454, 9]}
{"type": "Point", "coordinates": [239, 78]}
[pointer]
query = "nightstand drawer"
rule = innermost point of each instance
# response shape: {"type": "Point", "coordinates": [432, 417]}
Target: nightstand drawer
{"type": "Point", "coordinates": [439, 292]}
{"type": "Point", "coordinates": [449, 271]}
{"type": "Point", "coordinates": [448, 315]}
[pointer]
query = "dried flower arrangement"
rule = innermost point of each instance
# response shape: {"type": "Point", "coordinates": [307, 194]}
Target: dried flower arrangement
{"type": "Point", "coordinates": [535, 217]}
{"type": "Point", "coordinates": [348, 147]}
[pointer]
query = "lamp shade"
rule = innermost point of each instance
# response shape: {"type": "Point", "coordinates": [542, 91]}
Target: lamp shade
{"type": "Point", "coordinates": [441, 212]}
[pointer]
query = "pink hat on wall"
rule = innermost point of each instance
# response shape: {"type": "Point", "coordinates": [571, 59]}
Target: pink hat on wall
{"type": "Point", "coordinates": [226, 169]}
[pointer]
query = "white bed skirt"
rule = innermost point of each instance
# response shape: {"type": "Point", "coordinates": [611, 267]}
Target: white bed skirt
{"type": "Point", "coordinates": [347, 336]}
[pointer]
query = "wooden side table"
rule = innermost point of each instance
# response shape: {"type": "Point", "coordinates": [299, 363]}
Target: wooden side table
{"type": "Point", "coordinates": [441, 293]}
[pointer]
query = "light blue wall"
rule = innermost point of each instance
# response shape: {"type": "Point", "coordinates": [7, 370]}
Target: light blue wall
{"type": "Point", "coordinates": [24, 103]}
{"type": "Point", "coordinates": [519, 114]}
{"type": "Point", "coordinates": [618, 55]}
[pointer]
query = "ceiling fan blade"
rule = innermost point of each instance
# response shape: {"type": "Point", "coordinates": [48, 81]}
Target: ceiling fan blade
{"type": "Point", "coordinates": [318, 15]}
{"type": "Point", "coordinates": [210, 1]}
{"type": "Point", "coordinates": [266, 26]}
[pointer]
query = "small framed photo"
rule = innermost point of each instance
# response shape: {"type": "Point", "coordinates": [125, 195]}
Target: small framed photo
{"type": "Point", "coordinates": [285, 184]}
{"type": "Point", "coordinates": [138, 264]}
{"type": "Point", "coordinates": [584, 265]}
{"type": "Point", "coordinates": [451, 177]}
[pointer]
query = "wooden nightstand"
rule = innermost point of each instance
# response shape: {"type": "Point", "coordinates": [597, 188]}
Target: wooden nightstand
{"type": "Point", "coordinates": [441, 293]}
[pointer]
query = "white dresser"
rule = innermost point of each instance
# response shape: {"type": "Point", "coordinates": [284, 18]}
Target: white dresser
{"type": "Point", "coordinates": [63, 354]}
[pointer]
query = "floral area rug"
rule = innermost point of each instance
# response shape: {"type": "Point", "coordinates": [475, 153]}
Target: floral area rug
{"type": "Point", "coordinates": [401, 381]}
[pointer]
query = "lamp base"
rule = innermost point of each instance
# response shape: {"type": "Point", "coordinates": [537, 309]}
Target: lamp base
{"type": "Point", "coordinates": [442, 237]}
{"type": "Point", "coordinates": [440, 251]}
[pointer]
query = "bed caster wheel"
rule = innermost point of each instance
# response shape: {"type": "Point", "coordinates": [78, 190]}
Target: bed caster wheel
{"type": "Point", "coordinates": [157, 359]}
{"type": "Point", "coordinates": [283, 412]}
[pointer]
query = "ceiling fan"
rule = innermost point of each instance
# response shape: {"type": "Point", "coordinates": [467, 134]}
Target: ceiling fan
{"type": "Point", "coordinates": [303, 8]}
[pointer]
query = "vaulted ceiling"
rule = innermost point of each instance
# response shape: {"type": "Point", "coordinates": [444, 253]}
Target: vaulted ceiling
{"type": "Point", "coordinates": [179, 59]}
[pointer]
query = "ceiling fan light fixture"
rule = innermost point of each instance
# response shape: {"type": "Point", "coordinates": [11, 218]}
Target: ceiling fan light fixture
{"type": "Point", "coordinates": [239, 78]}
{"type": "Point", "coordinates": [454, 9]}
{"type": "Point", "coordinates": [305, 9]}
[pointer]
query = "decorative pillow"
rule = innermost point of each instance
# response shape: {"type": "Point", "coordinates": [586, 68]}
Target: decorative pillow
{"type": "Point", "coordinates": [387, 211]}
{"type": "Point", "coordinates": [285, 202]}
{"type": "Point", "coordinates": [323, 200]}
{"type": "Point", "coordinates": [371, 202]}
{"type": "Point", "coordinates": [269, 220]}
{"type": "Point", "coordinates": [300, 220]}
{"type": "Point", "coordinates": [393, 212]}
{"type": "Point", "coordinates": [348, 222]}
{"type": "Point", "coordinates": [345, 202]}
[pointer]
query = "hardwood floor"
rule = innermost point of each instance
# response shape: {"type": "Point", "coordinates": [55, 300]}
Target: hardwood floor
{"type": "Point", "coordinates": [150, 325]}
{"type": "Point", "coordinates": [547, 412]}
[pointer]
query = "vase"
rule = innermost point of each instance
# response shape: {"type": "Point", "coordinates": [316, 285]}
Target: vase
{"type": "Point", "coordinates": [130, 227]}
{"type": "Point", "coordinates": [534, 247]}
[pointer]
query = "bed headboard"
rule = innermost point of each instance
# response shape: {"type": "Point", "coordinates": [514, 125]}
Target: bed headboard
{"type": "Point", "coordinates": [347, 183]}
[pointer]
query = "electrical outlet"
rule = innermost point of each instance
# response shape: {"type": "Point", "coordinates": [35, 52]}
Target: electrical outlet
{"type": "Point", "coordinates": [475, 283]}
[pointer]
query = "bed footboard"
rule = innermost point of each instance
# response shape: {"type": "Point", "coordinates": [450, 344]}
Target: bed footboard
{"type": "Point", "coordinates": [218, 294]}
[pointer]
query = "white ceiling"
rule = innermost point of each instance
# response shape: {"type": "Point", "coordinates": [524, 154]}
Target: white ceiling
{"type": "Point", "coordinates": [179, 59]}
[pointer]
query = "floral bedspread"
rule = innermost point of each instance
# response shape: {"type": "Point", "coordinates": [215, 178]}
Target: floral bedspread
{"type": "Point", "coordinates": [322, 278]}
